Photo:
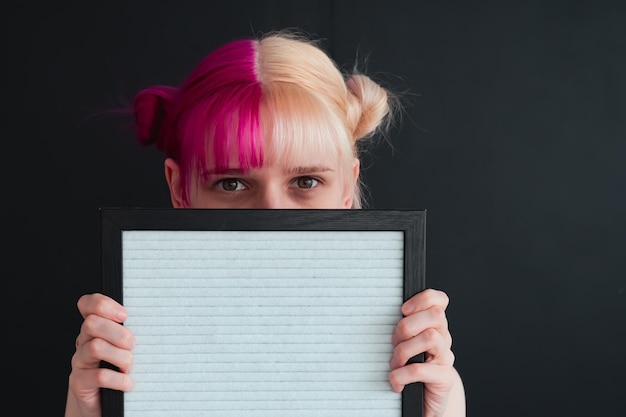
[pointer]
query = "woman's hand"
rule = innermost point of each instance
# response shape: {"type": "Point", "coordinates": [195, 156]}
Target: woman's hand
{"type": "Point", "coordinates": [102, 337]}
{"type": "Point", "coordinates": [424, 329]}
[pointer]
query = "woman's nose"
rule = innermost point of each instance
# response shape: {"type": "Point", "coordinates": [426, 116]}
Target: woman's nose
{"type": "Point", "coordinates": [272, 198]}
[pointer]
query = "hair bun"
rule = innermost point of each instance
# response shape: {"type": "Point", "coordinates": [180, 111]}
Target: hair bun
{"type": "Point", "coordinates": [370, 107]}
{"type": "Point", "coordinates": [152, 106]}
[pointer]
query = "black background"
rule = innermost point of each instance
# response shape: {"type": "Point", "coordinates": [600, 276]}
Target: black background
{"type": "Point", "coordinates": [513, 139]}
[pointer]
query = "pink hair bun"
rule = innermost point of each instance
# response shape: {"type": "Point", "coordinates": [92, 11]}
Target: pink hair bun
{"type": "Point", "coordinates": [152, 106]}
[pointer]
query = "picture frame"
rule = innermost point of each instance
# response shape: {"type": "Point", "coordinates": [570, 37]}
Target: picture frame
{"type": "Point", "coordinates": [278, 272]}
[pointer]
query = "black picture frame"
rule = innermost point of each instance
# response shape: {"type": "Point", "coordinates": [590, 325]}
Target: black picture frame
{"type": "Point", "coordinates": [412, 222]}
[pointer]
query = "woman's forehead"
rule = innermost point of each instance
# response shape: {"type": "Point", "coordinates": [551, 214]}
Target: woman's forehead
{"type": "Point", "coordinates": [300, 140]}
{"type": "Point", "coordinates": [300, 153]}
{"type": "Point", "coordinates": [291, 158]}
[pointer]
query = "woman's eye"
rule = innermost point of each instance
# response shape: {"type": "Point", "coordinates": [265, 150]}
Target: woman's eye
{"type": "Point", "coordinates": [306, 182]}
{"type": "Point", "coordinates": [231, 184]}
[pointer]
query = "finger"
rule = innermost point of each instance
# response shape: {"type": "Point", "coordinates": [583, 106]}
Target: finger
{"type": "Point", "coordinates": [93, 352]}
{"type": "Point", "coordinates": [411, 326]}
{"type": "Point", "coordinates": [96, 327]}
{"type": "Point", "coordinates": [439, 377]}
{"type": "Point", "coordinates": [84, 381]}
{"type": "Point", "coordinates": [430, 342]}
{"type": "Point", "coordinates": [103, 306]}
{"type": "Point", "coordinates": [424, 300]}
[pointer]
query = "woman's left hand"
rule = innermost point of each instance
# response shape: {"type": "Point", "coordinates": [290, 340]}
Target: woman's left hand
{"type": "Point", "coordinates": [424, 329]}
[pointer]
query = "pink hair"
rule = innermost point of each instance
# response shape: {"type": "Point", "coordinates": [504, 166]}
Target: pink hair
{"type": "Point", "coordinates": [219, 101]}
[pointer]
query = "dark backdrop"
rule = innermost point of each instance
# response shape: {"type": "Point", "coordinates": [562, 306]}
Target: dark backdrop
{"type": "Point", "coordinates": [514, 140]}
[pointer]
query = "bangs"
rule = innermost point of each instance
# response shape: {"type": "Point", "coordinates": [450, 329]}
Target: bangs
{"type": "Point", "coordinates": [297, 125]}
{"type": "Point", "coordinates": [223, 126]}
{"type": "Point", "coordinates": [219, 116]}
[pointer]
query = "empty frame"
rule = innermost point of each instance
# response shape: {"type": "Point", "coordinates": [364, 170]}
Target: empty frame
{"type": "Point", "coordinates": [258, 313]}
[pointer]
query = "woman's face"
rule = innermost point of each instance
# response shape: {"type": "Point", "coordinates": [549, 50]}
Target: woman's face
{"type": "Point", "coordinates": [307, 182]}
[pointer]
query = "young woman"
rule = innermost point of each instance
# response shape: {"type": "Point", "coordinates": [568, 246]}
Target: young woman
{"type": "Point", "coordinates": [272, 123]}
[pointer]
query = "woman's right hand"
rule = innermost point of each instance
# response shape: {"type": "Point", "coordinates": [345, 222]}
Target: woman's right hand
{"type": "Point", "coordinates": [102, 337]}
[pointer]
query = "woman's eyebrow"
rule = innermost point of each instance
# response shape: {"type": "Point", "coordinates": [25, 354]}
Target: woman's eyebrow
{"type": "Point", "coordinates": [229, 171]}
{"type": "Point", "coordinates": [308, 169]}
{"type": "Point", "coordinates": [292, 171]}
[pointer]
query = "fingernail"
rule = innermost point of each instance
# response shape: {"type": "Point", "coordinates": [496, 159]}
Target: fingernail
{"type": "Point", "coordinates": [120, 316]}
{"type": "Point", "coordinates": [407, 309]}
